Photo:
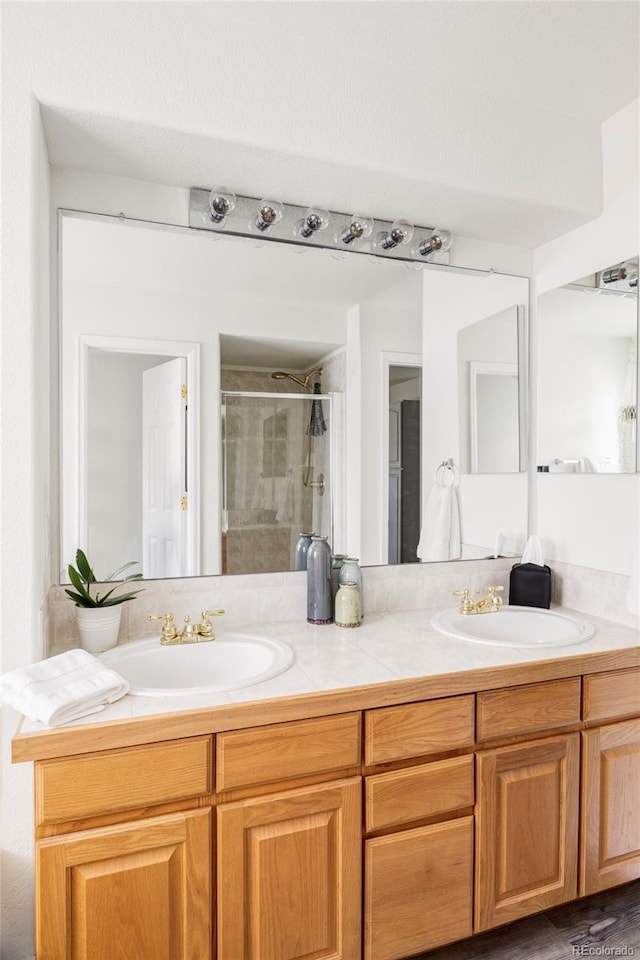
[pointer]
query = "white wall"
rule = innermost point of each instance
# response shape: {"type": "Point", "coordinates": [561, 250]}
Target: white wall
{"type": "Point", "coordinates": [25, 495]}
{"type": "Point", "coordinates": [592, 520]}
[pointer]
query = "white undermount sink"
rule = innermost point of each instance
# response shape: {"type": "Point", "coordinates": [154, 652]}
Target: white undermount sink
{"type": "Point", "coordinates": [229, 662]}
{"type": "Point", "coordinates": [514, 627]}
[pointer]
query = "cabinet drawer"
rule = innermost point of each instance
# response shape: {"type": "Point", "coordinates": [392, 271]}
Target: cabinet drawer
{"type": "Point", "coordinates": [528, 709]}
{"type": "Point", "coordinates": [103, 783]}
{"type": "Point", "coordinates": [284, 751]}
{"type": "Point", "coordinates": [607, 695]}
{"type": "Point", "coordinates": [418, 729]}
{"type": "Point", "coordinates": [403, 796]}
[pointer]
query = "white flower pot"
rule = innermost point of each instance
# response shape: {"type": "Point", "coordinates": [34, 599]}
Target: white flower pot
{"type": "Point", "coordinates": [98, 627]}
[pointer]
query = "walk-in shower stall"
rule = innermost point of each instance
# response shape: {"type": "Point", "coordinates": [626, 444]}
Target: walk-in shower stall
{"type": "Point", "coordinates": [276, 476]}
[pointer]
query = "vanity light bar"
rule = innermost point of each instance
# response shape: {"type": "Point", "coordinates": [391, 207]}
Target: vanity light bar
{"type": "Point", "coordinates": [221, 211]}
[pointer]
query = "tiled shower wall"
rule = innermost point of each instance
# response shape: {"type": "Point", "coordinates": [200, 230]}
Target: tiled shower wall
{"type": "Point", "coordinates": [268, 506]}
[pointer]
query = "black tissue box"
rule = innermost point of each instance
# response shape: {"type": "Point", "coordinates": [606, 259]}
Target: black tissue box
{"type": "Point", "coordinates": [530, 585]}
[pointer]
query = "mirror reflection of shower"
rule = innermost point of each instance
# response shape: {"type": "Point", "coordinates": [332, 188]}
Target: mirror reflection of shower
{"type": "Point", "coordinates": [316, 427]}
{"type": "Point", "coordinates": [276, 468]}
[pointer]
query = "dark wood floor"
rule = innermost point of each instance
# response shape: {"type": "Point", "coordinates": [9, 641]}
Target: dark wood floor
{"type": "Point", "coordinates": [610, 919]}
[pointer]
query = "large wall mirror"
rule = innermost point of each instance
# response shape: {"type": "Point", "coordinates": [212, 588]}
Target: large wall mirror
{"type": "Point", "coordinates": [587, 374]}
{"type": "Point", "coordinates": [220, 395]}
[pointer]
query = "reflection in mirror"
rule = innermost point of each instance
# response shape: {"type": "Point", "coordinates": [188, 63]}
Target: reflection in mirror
{"type": "Point", "coordinates": [587, 376]}
{"type": "Point", "coordinates": [474, 442]}
{"type": "Point", "coordinates": [230, 312]}
{"type": "Point", "coordinates": [276, 477]}
{"type": "Point", "coordinates": [405, 395]}
{"type": "Point", "coordinates": [488, 389]}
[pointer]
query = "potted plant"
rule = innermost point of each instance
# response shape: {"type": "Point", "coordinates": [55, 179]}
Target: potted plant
{"type": "Point", "coordinates": [98, 614]}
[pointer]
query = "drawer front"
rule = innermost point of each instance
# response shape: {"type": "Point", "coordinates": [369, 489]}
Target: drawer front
{"type": "Point", "coordinates": [103, 783]}
{"type": "Point", "coordinates": [285, 751]}
{"type": "Point", "coordinates": [403, 796]}
{"type": "Point", "coordinates": [528, 709]}
{"type": "Point", "coordinates": [608, 695]}
{"type": "Point", "coordinates": [418, 729]}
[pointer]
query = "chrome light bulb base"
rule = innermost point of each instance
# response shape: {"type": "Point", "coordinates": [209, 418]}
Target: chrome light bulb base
{"type": "Point", "coordinates": [401, 233]}
{"type": "Point", "coordinates": [269, 213]}
{"type": "Point", "coordinates": [221, 202]}
{"type": "Point", "coordinates": [359, 229]}
{"type": "Point", "coordinates": [439, 242]}
{"type": "Point", "coordinates": [314, 220]}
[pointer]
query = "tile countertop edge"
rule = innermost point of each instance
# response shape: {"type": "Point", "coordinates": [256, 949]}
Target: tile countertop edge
{"type": "Point", "coordinates": [90, 737]}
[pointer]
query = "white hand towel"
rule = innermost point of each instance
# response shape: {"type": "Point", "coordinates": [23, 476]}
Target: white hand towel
{"type": "Point", "coordinates": [440, 536]}
{"type": "Point", "coordinates": [63, 688]}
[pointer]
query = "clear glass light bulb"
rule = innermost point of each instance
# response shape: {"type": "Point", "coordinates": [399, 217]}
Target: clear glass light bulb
{"type": "Point", "coordinates": [269, 213]}
{"type": "Point", "coordinates": [221, 202]}
{"type": "Point", "coordinates": [439, 242]}
{"type": "Point", "coordinates": [315, 219]}
{"type": "Point", "coordinates": [359, 229]}
{"type": "Point", "coordinates": [401, 232]}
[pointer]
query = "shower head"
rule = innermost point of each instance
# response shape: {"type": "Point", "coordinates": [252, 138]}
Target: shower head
{"type": "Point", "coordinates": [281, 375]}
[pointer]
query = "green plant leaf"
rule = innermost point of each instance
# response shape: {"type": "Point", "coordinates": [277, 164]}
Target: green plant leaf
{"type": "Point", "coordinates": [106, 602]}
{"type": "Point", "coordinates": [113, 601]}
{"type": "Point", "coordinates": [116, 575]}
{"type": "Point", "coordinates": [84, 567]}
{"type": "Point", "coordinates": [78, 583]}
{"type": "Point", "coordinates": [79, 599]}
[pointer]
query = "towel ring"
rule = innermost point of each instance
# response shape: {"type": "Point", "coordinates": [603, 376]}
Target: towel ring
{"type": "Point", "coordinates": [447, 470]}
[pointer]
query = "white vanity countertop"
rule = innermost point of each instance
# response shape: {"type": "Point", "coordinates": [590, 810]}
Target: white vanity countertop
{"type": "Point", "coordinates": [387, 647]}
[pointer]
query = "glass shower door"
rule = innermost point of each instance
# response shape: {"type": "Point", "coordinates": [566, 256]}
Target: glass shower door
{"type": "Point", "coordinates": [276, 477]}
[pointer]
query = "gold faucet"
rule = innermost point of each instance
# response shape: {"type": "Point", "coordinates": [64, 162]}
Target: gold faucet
{"type": "Point", "coordinates": [191, 632]}
{"type": "Point", "coordinates": [489, 604]}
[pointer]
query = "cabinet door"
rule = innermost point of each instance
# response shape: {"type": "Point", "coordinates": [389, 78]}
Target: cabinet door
{"type": "Point", "coordinates": [290, 875]}
{"type": "Point", "coordinates": [138, 890]}
{"type": "Point", "coordinates": [610, 838]}
{"type": "Point", "coordinates": [418, 889]}
{"type": "Point", "coordinates": [526, 829]}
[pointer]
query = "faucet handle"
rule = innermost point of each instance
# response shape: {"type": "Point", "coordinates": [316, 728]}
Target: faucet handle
{"type": "Point", "coordinates": [205, 627]}
{"type": "Point", "coordinates": [496, 601]}
{"type": "Point", "coordinates": [169, 630]}
{"type": "Point", "coordinates": [466, 604]}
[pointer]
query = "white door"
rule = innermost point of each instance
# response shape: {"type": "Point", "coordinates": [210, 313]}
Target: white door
{"type": "Point", "coordinates": [164, 470]}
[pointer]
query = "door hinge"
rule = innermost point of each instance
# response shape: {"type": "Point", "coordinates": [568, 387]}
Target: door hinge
{"type": "Point", "coordinates": [184, 503]}
{"type": "Point", "coordinates": [184, 391]}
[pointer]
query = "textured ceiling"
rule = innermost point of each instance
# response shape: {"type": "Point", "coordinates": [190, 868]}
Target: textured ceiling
{"type": "Point", "coordinates": [480, 117]}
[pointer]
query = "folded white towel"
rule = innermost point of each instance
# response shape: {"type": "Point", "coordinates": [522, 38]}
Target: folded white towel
{"type": "Point", "coordinates": [63, 688]}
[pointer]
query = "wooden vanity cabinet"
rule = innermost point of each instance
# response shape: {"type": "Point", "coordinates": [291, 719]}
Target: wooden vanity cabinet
{"type": "Point", "coordinates": [418, 876]}
{"type": "Point", "coordinates": [526, 829]}
{"type": "Point", "coordinates": [140, 887]}
{"type": "Point", "coordinates": [289, 874]}
{"type": "Point", "coordinates": [610, 837]}
{"type": "Point", "coordinates": [289, 858]}
{"type": "Point", "coordinates": [138, 890]}
{"type": "Point", "coordinates": [527, 812]}
{"type": "Point", "coordinates": [479, 809]}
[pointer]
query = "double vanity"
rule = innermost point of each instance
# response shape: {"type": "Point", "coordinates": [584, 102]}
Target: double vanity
{"type": "Point", "coordinates": [382, 792]}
